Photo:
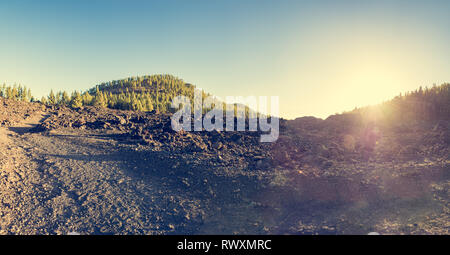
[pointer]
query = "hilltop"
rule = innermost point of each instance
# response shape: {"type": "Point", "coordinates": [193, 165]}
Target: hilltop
{"type": "Point", "coordinates": [143, 93]}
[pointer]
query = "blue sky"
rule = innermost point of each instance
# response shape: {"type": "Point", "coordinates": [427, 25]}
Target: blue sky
{"type": "Point", "coordinates": [319, 57]}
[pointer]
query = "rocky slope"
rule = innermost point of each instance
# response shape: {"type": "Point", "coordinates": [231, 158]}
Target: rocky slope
{"type": "Point", "coordinates": [102, 171]}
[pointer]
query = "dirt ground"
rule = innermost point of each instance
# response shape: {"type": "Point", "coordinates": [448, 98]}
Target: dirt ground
{"type": "Point", "coordinates": [87, 183]}
{"type": "Point", "coordinates": [90, 182]}
{"type": "Point", "coordinates": [100, 181]}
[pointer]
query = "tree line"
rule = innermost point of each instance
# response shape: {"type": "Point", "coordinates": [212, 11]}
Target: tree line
{"type": "Point", "coordinates": [429, 103]}
{"type": "Point", "coordinates": [16, 92]}
{"type": "Point", "coordinates": [142, 93]}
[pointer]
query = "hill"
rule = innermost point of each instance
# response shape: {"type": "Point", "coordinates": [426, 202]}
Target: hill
{"type": "Point", "coordinates": [143, 93]}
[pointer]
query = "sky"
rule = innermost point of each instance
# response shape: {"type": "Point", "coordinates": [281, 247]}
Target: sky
{"type": "Point", "coordinates": [319, 57]}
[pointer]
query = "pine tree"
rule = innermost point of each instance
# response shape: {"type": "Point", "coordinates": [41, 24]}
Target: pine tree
{"type": "Point", "coordinates": [76, 101]}
{"type": "Point", "coordinates": [52, 98]}
{"type": "Point", "coordinates": [65, 99]}
{"type": "Point", "coordinates": [87, 99]}
{"type": "Point", "coordinates": [99, 100]}
{"type": "Point", "coordinates": [14, 93]}
{"type": "Point", "coordinates": [29, 96]}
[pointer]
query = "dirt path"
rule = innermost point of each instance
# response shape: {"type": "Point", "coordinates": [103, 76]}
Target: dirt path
{"type": "Point", "coordinates": [29, 123]}
{"type": "Point", "coordinates": [17, 173]}
{"type": "Point", "coordinates": [88, 183]}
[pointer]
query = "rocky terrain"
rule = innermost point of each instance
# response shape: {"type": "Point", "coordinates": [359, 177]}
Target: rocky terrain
{"type": "Point", "coordinates": [101, 171]}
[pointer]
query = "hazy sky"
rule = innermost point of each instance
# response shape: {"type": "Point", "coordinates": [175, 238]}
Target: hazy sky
{"type": "Point", "coordinates": [319, 57]}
